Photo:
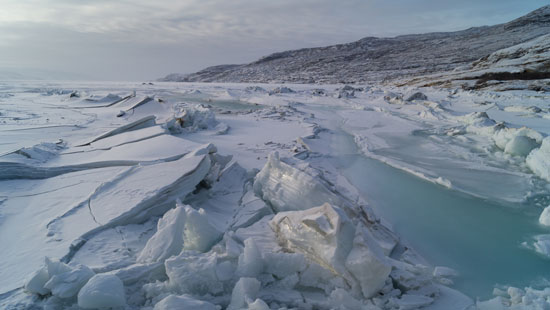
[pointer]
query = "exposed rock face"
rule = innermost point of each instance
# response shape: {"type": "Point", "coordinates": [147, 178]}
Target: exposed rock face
{"type": "Point", "coordinates": [375, 59]}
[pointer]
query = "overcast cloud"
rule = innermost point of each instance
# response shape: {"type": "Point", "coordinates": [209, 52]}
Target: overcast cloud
{"type": "Point", "coordinates": [143, 40]}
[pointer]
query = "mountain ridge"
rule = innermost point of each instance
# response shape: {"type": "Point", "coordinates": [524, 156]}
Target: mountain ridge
{"type": "Point", "coordinates": [377, 59]}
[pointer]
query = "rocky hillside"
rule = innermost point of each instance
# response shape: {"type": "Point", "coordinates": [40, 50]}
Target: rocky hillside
{"type": "Point", "coordinates": [376, 59]}
{"type": "Point", "coordinates": [522, 66]}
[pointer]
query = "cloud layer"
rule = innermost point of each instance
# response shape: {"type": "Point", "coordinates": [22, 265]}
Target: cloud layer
{"type": "Point", "coordinates": [138, 39]}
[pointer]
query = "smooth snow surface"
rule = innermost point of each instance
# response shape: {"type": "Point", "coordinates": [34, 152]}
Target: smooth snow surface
{"type": "Point", "coordinates": [220, 196]}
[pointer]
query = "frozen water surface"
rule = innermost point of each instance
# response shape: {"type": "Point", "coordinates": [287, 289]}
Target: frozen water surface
{"type": "Point", "coordinates": [479, 238]}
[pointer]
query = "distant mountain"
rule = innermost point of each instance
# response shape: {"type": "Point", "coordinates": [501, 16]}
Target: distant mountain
{"type": "Point", "coordinates": [377, 59]}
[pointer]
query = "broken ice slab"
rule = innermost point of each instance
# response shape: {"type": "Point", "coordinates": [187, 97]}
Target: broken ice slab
{"type": "Point", "coordinates": [32, 204]}
{"type": "Point", "coordinates": [136, 192]}
{"type": "Point", "coordinates": [128, 137]}
{"type": "Point", "coordinates": [159, 148]}
{"type": "Point", "coordinates": [133, 102]}
{"type": "Point", "coordinates": [126, 195]}
{"type": "Point", "coordinates": [286, 188]}
{"type": "Point", "coordinates": [138, 124]}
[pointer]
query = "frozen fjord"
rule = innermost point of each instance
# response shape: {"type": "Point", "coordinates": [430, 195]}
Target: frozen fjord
{"type": "Point", "coordinates": [233, 252]}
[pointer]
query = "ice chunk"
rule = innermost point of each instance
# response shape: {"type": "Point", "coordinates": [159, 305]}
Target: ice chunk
{"type": "Point", "coordinates": [191, 118]}
{"type": "Point", "coordinates": [367, 263]}
{"type": "Point", "coordinates": [411, 302]}
{"type": "Point", "coordinates": [324, 234]}
{"type": "Point", "coordinates": [244, 291]}
{"type": "Point", "coordinates": [504, 136]}
{"type": "Point", "coordinates": [544, 218]}
{"type": "Point", "coordinates": [250, 261]}
{"type": "Point", "coordinates": [225, 270]}
{"type": "Point", "coordinates": [173, 302]}
{"type": "Point", "coordinates": [327, 236]}
{"type": "Point", "coordinates": [491, 304]}
{"type": "Point", "coordinates": [168, 240]}
{"type": "Point", "coordinates": [60, 279]}
{"type": "Point", "coordinates": [287, 188]}
{"type": "Point", "coordinates": [66, 284]}
{"type": "Point", "coordinates": [198, 233]}
{"type": "Point", "coordinates": [520, 146]}
{"type": "Point", "coordinates": [341, 299]}
{"type": "Point", "coordinates": [102, 291]}
{"type": "Point", "coordinates": [479, 123]}
{"type": "Point", "coordinates": [35, 284]}
{"type": "Point", "coordinates": [194, 273]}
{"type": "Point", "coordinates": [542, 244]}
{"type": "Point", "coordinates": [539, 160]}
{"type": "Point", "coordinates": [284, 264]}
{"type": "Point", "coordinates": [252, 209]}
{"type": "Point", "coordinates": [441, 271]}
{"type": "Point", "coordinates": [258, 304]}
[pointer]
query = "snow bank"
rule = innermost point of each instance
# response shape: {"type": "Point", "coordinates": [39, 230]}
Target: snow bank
{"type": "Point", "coordinates": [539, 160]}
{"type": "Point", "coordinates": [102, 291]}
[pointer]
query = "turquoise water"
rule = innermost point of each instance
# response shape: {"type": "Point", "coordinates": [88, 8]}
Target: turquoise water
{"type": "Point", "coordinates": [480, 239]}
{"type": "Point", "coordinates": [225, 105]}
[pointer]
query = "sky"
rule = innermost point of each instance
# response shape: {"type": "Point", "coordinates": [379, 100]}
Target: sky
{"type": "Point", "coordinates": [137, 40]}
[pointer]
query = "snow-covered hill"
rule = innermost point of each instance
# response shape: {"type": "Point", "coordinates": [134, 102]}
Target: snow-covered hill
{"type": "Point", "coordinates": [375, 59]}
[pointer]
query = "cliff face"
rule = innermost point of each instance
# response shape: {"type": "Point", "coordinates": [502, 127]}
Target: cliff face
{"type": "Point", "coordinates": [376, 59]}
